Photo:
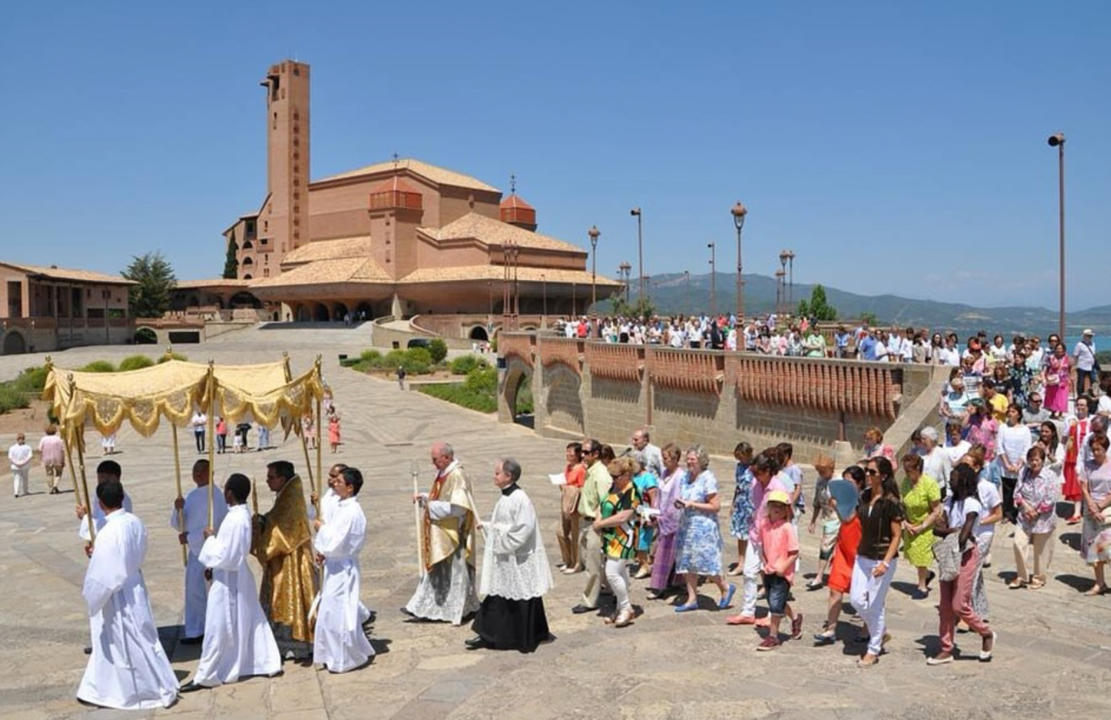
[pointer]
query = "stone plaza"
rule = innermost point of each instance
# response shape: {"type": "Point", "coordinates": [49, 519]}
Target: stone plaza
{"type": "Point", "coordinates": [1052, 658]}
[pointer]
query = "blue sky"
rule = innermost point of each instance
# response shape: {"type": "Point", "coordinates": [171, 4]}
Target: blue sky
{"type": "Point", "coordinates": [895, 147]}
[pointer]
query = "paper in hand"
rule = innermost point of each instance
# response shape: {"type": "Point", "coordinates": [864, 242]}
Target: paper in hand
{"type": "Point", "coordinates": [557, 479]}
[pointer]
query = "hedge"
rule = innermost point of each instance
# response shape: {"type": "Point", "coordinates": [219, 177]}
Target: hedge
{"type": "Point", "coordinates": [460, 394]}
{"type": "Point", "coordinates": [135, 362]}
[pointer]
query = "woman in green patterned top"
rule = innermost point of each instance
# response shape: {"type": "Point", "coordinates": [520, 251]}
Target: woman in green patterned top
{"type": "Point", "coordinates": [922, 500]}
{"type": "Point", "coordinates": [616, 524]}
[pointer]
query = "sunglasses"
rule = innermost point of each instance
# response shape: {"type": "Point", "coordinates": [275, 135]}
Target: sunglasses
{"type": "Point", "coordinates": [618, 475]}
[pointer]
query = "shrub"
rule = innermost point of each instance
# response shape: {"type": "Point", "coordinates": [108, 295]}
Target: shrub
{"type": "Point", "coordinates": [482, 380]}
{"type": "Point", "coordinates": [145, 336]}
{"type": "Point", "coordinates": [174, 355]}
{"type": "Point", "coordinates": [370, 356]}
{"type": "Point", "coordinates": [135, 362]}
{"type": "Point", "coordinates": [460, 395]}
{"type": "Point", "coordinates": [465, 363]}
{"type": "Point", "coordinates": [11, 398]}
{"type": "Point", "coordinates": [31, 380]}
{"type": "Point", "coordinates": [419, 355]}
{"type": "Point", "coordinates": [438, 349]}
{"type": "Point", "coordinates": [99, 366]}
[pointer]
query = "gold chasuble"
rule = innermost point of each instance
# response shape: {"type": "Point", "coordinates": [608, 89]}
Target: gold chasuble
{"type": "Point", "coordinates": [283, 546]}
{"type": "Point", "coordinates": [441, 538]}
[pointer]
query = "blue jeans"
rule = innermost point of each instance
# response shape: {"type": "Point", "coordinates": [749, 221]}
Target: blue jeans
{"type": "Point", "coordinates": [778, 588]}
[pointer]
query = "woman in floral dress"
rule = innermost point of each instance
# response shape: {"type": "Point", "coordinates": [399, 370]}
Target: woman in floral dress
{"type": "Point", "coordinates": [699, 541]}
{"type": "Point", "coordinates": [1057, 381]}
{"type": "Point", "coordinates": [1036, 498]}
{"type": "Point", "coordinates": [743, 509]}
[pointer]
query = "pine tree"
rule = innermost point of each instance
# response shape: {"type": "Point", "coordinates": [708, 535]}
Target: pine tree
{"type": "Point", "coordinates": [151, 297]}
{"type": "Point", "coordinates": [818, 307]}
{"type": "Point", "coordinates": [231, 265]}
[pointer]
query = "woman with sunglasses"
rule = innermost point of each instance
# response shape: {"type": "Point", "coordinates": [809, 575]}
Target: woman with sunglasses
{"type": "Point", "coordinates": [881, 522]}
{"type": "Point", "coordinates": [844, 558]}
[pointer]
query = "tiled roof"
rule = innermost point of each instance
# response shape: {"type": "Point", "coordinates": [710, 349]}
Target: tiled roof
{"type": "Point", "coordinates": [515, 201]}
{"type": "Point", "coordinates": [439, 175]}
{"type": "Point", "coordinates": [327, 272]}
{"type": "Point", "coordinates": [57, 273]}
{"type": "Point", "coordinates": [497, 272]}
{"type": "Point", "coordinates": [352, 247]}
{"type": "Point", "coordinates": [214, 282]}
{"type": "Point", "coordinates": [495, 232]}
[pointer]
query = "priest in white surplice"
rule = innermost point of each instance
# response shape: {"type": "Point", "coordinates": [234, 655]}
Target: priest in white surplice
{"type": "Point", "coordinates": [515, 571]}
{"type": "Point", "coordinates": [195, 508]}
{"type": "Point", "coordinates": [340, 644]}
{"type": "Point", "coordinates": [238, 641]}
{"type": "Point", "coordinates": [128, 668]}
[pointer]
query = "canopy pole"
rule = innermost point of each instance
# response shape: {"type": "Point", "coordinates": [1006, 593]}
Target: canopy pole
{"type": "Point", "coordinates": [211, 436]}
{"type": "Point", "coordinates": [181, 510]}
{"type": "Point", "coordinates": [78, 437]}
{"type": "Point", "coordinates": [319, 418]}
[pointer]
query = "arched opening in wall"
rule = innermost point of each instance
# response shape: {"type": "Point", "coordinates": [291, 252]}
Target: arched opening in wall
{"type": "Point", "coordinates": [245, 299]}
{"type": "Point", "coordinates": [320, 313]}
{"type": "Point", "coordinates": [518, 394]}
{"type": "Point", "coordinates": [364, 311]}
{"type": "Point", "coordinates": [303, 314]}
{"type": "Point", "coordinates": [248, 276]}
{"type": "Point", "coordinates": [14, 344]}
{"type": "Point", "coordinates": [339, 312]}
{"type": "Point", "coordinates": [562, 399]}
{"type": "Point", "coordinates": [479, 333]}
{"type": "Point", "coordinates": [248, 245]}
{"type": "Point", "coordinates": [145, 336]}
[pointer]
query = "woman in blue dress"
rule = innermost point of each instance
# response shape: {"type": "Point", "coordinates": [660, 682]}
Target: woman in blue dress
{"type": "Point", "coordinates": [743, 509]}
{"type": "Point", "coordinates": [699, 542]}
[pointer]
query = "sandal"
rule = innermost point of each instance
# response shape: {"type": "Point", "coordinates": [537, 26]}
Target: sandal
{"type": "Point", "coordinates": [1036, 584]}
{"type": "Point", "coordinates": [1017, 584]}
{"type": "Point", "coordinates": [1095, 590]}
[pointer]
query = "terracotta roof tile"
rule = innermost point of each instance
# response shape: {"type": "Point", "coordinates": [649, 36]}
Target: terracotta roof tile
{"type": "Point", "coordinates": [57, 273]}
{"type": "Point", "coordinates": [438, 175]}
{"type": "Point", "coordinates": [326, 272]}
{"type": "Point", "coordinates": [515, 201]}
{"type": "Point", "coordinates": [352, 247]}
{"type": "Point", "coordinates": [214, 282]}
{"type": "Point", "coordinates": [497, 272]}
{"type": "Point", "coordinates": [495, 232]}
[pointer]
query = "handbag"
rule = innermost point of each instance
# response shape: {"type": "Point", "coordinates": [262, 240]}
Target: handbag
{"type": "Point", "coordinates": [947, 552]}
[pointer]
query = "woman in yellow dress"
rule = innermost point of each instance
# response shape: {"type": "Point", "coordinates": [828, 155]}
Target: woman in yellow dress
{"type": "Point", "coordinates": [922, 500]}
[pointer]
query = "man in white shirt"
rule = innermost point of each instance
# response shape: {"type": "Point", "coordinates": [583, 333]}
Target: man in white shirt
{"type": "Point", "coordinates": [935, 460]}
{"type": "Point", "coordinates": [653, 458]}
{"type": "Point", "coordinates": [1084, 360]}
{"type": "Point", "coordinates": [199, 421]}
{"type": "Point", "coordinates": [193, 508]}
{"type": "Point", "coordinates": [20, 456]}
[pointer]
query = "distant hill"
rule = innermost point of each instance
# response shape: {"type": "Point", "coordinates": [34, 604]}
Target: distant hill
{"type": "Point", "coordinates": [670, 294]}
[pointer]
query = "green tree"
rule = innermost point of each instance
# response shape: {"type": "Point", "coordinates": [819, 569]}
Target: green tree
{"type": "Point", "coordinates": [869, 318]}
{"type": "Point", "coordinates": [231, 265]}
{"type": "Point", "coordinates": [639, 308]}
{"type": "Point", "coordinates": [818, 307]}
{"type": "Point", "coordinates": [151, 297]}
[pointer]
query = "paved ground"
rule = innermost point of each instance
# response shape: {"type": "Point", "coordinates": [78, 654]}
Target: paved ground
{"type": "Point", "coordinates": [1053, 655]}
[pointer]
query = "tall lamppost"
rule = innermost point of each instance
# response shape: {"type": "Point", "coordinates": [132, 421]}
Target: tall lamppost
{"type": "Point", "coordinates": [790, 292]}
{"type": "Point", "coordinates": [739, 213]}
{"type": "Point", "coordinates": [544, 283]}
{"type": "Point", "coordinates": [782, 275]}
{"type": "Point", "coordinates": [1057, 140]}
{"type": "Point", "coordinates": [687, 278]}
{"type": "Point", "coordinates": [625, 269]}
{"type": "Point", "coordinates": [640, 251]}
{"type": "Point", "coordinates": [780, 292]}
{"type": "Point", "coordinates": [593, 233]}
{"type": "Point", "coordinates": [713, 281]}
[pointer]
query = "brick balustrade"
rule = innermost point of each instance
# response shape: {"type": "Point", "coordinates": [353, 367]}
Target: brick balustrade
{"type": "Point", "coordinates": [568, 351]}
{"type": "Point", "coordinates": [519, 345]}
{"type": "Point", "coordinates": [700, 371]}
{"type": "Point", "coordinates": [615, 362]}
{"type": "Point", "coordinates": [828, 385]}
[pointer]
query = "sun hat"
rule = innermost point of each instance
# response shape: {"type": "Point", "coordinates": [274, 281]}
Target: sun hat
{"type": "Point", "coordinates": [778, 496]}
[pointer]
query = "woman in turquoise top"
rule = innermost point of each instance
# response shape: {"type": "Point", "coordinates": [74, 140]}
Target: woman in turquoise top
{"type": "Point", "coordinates": [646, 484]}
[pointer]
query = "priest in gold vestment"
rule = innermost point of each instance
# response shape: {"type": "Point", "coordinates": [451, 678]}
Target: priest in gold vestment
{"type": "Point", "coordinates": [446, 591]}
{"type": "Point", "coordinates": [283, 546]}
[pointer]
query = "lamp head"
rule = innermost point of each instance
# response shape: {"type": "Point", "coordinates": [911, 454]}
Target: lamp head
{"type": "Point", "coordinates": [593, 233]}
{"type": "Point", "coordinates": [1056, 139]}
{"type": "Point", "coordinates": [635, 212]}
{"type": "Point", "coordinates": [739, 211]}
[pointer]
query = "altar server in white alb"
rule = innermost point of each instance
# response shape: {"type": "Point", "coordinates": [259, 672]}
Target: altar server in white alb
{"type": "Point", "coordinates": [128, 669]}
{"type": "Point", "coordinates": [194, 506]}
{"type": "Point", "coordinates": [106, 471]}
{"type": "Point", "coordinates": [328, 503]}
{"type": "Point", "coordinates": [340, 643]}
{"type": "Point", "coordinates": [515, 572]}
{"type": "Point", "coordinates": [238, 641]}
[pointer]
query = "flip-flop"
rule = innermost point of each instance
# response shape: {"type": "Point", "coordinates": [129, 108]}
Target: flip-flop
{"type": "Point", "coordinates": [686, 608]}
{"type": "Point", "coordinates": [725, 601]}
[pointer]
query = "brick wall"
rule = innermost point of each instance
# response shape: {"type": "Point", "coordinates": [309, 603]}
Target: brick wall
{"type": "Point", "coordinates": [714, 398]}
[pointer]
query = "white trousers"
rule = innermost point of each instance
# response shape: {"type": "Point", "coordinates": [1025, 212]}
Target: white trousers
{"type": "Point", "coordinates": [868, 595]}
{"type": "Point", "coordinates": [196, 597]}
{"type": "Point", "coordinates": [19, 480]}
{"type": "Point", "coordinates": [754, 560]}
{"type": "Point", "coordinates": [617, 574]}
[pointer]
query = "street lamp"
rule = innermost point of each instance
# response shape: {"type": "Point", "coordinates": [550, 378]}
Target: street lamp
{"type": "Point", "coordinates": [544, 282]}
{"type": "Point", "coordinates": [739, 213]}
{"type": "Point", "coordinates": [713, 281]}
{"type": "Point", "coordinates": [790, 292]}
{"type": "Point", "coordinates": [782, 275]}
{"type": "Point", "coordinates": [624, 269]}
{"type": "Point", "coordinates": [687, 278]}
{"type": "Point", "coordinates": [640, 251]}
{"type": "Point", "coordinates": [1057, 140]}
{"type": "Point", "coordinates": [593, 233]}
{"type": "Point", "coordinates": [780, 292]}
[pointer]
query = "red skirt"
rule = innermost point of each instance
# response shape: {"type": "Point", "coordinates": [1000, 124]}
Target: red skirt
{"type": "Point", "coordinates": [844, 556]}
{"type": "Point", "coordinates": [1071, 488]}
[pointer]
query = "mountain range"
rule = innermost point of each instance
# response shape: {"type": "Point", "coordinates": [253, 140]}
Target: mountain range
{"type": "Point", "coordinates": [670, 294]}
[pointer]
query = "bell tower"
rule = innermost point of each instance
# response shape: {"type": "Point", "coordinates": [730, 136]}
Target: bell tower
{"type": "Point", "coordinates": [283, 223]}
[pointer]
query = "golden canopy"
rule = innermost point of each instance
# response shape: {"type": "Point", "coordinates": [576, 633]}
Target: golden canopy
{"type": "Point", "coordinates": [173, 389]}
